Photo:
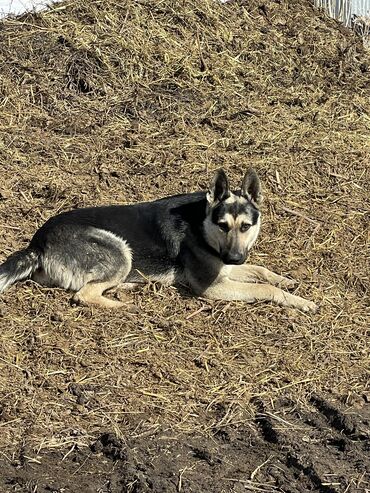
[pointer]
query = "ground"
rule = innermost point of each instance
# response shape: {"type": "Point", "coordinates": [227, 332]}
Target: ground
{"type": "Point", "coordinates": [285, 449]}
{"type": "Point", "coordinates": [133, 101]}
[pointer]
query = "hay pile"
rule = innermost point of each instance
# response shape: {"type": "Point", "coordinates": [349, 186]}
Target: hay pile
{"type": "Point", "coordinates": [111, 102]}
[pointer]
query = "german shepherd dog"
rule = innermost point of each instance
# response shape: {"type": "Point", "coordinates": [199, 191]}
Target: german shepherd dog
{"type": "Point", "coordinates": [200, 239]}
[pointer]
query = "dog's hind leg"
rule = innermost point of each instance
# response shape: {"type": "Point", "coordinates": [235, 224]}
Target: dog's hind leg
{"type": "Point", "coordinates": [87, 260]}
{"type": "Point", "coordinates": [93, 293]}
{"type": "Point", "coordinates": [253, 273]}
{"type": "Point", "coordinates": [226, 289]}
{"type": "Point", "coordinates": [113, 264]}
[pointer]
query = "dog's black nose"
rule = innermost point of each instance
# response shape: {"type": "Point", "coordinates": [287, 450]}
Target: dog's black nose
{"type": "Point", "coordinates": [234, 258]}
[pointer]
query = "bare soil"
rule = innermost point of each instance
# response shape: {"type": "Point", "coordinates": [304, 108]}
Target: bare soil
{"type": "Point", "coordinates": [286, 449]}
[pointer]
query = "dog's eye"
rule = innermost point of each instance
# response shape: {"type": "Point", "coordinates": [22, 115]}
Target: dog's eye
{"type": "Point", "coordinates": [244, 227]}
{"type": "Point", "coordinates": [224, 227]}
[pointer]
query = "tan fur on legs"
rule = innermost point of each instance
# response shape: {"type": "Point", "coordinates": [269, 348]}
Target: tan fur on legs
{"type": "Point", "coordinates": [250, 273]}
{"type": "Point", "coordinates": [226, 289]}
{"type": "Point", "coordinates": [130, 286]}
{"type": "Point", "coordinates": [92, 293]}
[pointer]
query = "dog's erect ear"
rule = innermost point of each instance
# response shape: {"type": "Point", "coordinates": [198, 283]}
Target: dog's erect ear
{"type": "Point", "coordinates": [251, 187]}
{"type": "Point", "coordinates": [219, 188]}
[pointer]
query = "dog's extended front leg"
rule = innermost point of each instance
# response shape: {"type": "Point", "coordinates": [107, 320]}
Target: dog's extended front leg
{"type": "Point", "coordinates": [252, 273]}
{"type": "Point", "coordinates": [227, 289]}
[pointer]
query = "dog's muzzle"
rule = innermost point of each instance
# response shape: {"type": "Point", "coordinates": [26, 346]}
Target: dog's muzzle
{"type": "Point", "coordinates": [234, 258]}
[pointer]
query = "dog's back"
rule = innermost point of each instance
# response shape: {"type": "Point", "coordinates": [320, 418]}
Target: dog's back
{"type": "Point", "coordinates": [153, 230]}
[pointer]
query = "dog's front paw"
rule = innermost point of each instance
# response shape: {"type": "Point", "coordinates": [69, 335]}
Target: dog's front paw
{"type": "Point", "coordinates": [309, 306]}
{"type": "Point", "coordinates": [286, 283]}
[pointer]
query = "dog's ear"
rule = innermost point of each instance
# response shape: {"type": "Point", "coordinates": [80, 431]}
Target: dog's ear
{"type": "Point", "coordinates": [219, 188]}
{"type": "Point", "coordinates": [251, 187]}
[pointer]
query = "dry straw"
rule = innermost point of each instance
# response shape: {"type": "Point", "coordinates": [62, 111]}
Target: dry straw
{"type": "Point", "coordinates": [110, 102]}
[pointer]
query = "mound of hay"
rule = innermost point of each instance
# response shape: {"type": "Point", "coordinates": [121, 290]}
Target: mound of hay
{"type": "Point", "coordinates": [111, 102]}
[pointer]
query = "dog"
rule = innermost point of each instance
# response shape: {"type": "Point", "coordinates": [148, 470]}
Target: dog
{"type": "Point", "coordinates": [200, 239]}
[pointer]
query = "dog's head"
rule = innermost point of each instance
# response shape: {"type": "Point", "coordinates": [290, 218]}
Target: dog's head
{"type": "Point", "coordinates": [233, 220]}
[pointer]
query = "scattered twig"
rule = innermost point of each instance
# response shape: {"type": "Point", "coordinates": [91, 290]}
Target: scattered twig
{"type": "Point", "coordinates": [253, 474]}
{"type": "Point", "coordinates": [299, 214]}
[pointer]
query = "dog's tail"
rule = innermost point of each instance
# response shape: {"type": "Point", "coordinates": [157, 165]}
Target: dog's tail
{"type": "Point", "coordinates": [18, 266]}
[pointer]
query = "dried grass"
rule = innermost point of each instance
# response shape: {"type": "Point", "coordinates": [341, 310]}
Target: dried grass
{"type": "Point", "coordinates": [119, 102]}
